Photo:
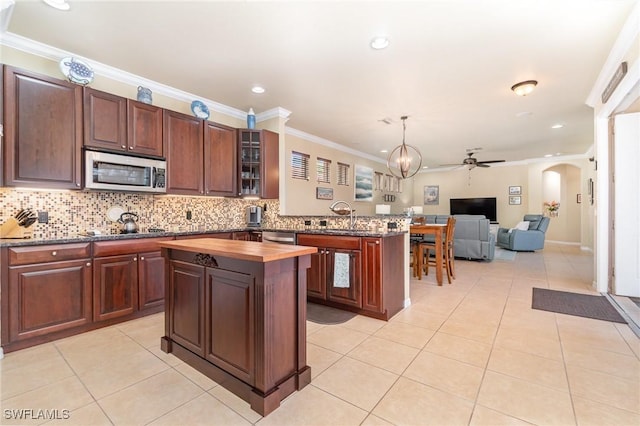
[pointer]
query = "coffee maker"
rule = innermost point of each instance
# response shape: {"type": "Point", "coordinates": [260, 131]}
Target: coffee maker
{"type": "Point", "coordinates": [254, 215]}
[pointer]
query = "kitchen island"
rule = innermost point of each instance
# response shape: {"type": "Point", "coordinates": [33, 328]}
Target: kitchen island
{"type": "Point", "coordinates": [236, 312]}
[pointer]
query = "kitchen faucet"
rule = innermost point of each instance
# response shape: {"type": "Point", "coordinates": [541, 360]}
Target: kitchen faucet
{"type": "Point", "coordinates": [343, 211]}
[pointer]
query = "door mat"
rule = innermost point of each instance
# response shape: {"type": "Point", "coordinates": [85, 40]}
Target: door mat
{"type": "Point", "coordinates": [581, 305]}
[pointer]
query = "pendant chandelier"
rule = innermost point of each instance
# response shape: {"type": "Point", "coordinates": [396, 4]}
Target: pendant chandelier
{"type": "Point", "coordinates": [404, 158]}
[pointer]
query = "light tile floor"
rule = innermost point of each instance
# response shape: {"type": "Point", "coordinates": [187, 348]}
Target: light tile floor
{"type": "Point", "coordinates": [469, 353]}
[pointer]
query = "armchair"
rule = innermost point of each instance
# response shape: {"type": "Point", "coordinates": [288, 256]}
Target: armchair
{"type": "Point", "coordinates": [525, 240]}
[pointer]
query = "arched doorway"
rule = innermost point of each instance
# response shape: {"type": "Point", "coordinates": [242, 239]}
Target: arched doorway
{"type": "Point", "coordinates": [562, 184]}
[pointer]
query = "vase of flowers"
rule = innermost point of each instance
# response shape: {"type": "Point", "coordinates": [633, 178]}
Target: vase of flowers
{"type": "Point", "coordinates": [552, 208]}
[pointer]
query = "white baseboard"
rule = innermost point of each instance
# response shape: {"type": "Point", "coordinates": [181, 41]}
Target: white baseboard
{"type": "Point", "coordinates": [407, 302]}
{"type": "Point", "coordinates": [585, 248]}
{"type": "Point", "coordinates": [566, 243]}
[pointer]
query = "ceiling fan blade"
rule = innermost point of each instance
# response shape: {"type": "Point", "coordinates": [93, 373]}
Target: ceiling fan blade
{"type": "Point", "coordinates": [450, 165]}
{"type": "Point", "coordinates": [490, 161]}
{"type": "Point", "coordinates": [482, 165]}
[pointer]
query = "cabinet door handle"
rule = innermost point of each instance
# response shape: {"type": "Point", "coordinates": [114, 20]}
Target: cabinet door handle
{"type": "Point", "coordinates": [130, 147]}
{"type": "Point", "coordinates": [88, 263]}
{"type": "Point", "coordinates": [377, 242]}
{"type": "Point", "coordinates": [54, 253]}
{"type": "Point", "coordinates": [135, 259]}
{"type": "Point", "coordinates": [123, 146]}
{"type": "Point", "coordinates": [141, 257]}
{"type": "Point", "coordinates": [78, 184]}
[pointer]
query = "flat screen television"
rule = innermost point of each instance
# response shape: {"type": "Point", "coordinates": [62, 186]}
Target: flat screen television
{"type": "Point", "coordinates": [484, 206]}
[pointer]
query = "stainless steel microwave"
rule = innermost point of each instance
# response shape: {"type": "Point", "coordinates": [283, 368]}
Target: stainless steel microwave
{"type": "Point", "coordinates": [124, 173]}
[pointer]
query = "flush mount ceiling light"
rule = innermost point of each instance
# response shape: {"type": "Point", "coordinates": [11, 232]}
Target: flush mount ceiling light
{"type": "Point", "coordinates": [379, 42]}
{"type": "Point", "coordinates": [406, 158]}
{"type": "Point", "coordinates": [524, 87]}
{"type": "Point", "coordinates": [557, 126]}
{"type": "Point", "coordinates": [58, 4]}
{"type": "Point", "coordinates": [257, 89]}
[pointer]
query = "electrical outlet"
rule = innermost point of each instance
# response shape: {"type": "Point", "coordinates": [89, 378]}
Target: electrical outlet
{"type": "Point", "coordinates": [188, 214]}
{"type": "Point", "coordinates": [43, 217]}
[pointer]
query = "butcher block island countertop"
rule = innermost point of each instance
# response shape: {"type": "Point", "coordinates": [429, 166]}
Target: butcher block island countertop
{"type": "Point", "coordinates": [244, 250]}
{"type": "Point", "coordinates": [236, 311]}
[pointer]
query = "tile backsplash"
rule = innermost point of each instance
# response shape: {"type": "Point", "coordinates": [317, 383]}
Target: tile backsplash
{"type": "Point", "coordinates": [73, 212]}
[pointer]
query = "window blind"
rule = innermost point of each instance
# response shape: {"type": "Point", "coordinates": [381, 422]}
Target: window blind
{"type": "Point", "coordinates": [323, 167]}
{"type": "Point", "coordinates": [299, 165]}
{"type": "Point", "coordinates": [343, 174]}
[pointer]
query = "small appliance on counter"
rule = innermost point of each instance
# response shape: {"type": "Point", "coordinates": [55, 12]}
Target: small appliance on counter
{"type": "Point", "coordinates": [129, 225]}
{"type": "Point", "coordinates": [19, 225]}
{"type": "Point", "coordinates": [254, 215]}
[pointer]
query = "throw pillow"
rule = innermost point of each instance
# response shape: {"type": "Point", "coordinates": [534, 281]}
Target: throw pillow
{"type": "Point", "coordinates": [522, 226]}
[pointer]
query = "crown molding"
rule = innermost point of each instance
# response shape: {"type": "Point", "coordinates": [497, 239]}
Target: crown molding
{"type": "Point", "coordinates": [628, 34]}
{"type": "Point", "coordinates": [277, 112]}
{"type": "Point", "coordinates": [53, 53]}
{"type": "Point", "coordinates": [320, 141]}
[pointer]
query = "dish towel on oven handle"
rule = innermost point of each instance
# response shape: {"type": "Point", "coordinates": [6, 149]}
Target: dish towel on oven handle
{"type": "Point", "coordinates": [341, 270]}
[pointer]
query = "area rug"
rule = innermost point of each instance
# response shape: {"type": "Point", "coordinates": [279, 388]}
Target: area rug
{"type": "Point", "coordinates": [502, 254]}
{"type": "Point", "coordinates": [581, 305]}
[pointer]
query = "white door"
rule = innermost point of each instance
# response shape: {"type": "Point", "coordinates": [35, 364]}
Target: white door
{"type": "Point", "coordinates": [627, 205]}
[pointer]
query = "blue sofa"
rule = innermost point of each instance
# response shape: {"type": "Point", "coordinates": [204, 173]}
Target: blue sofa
{"type": "Point", "coordinates": [471, 237]}
{"type": "Point", "coordinates": [525, 240]}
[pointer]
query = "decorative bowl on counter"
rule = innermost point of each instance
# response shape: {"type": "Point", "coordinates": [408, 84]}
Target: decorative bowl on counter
{"type": "Point", "coordinates": [343, 211]}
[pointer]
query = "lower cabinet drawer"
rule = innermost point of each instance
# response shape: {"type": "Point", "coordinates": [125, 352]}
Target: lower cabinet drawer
{"type": "Point", "coordinates": [48, 253]}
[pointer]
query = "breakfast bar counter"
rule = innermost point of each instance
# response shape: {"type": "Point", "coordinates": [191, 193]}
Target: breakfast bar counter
{"type": "Point", "coordinates": [236, 312]}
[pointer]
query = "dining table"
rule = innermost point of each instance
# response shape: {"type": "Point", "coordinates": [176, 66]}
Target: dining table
{"type": "Point", "coordinates": [438, 230]}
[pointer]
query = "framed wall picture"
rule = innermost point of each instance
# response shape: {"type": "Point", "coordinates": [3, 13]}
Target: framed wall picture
{"type": "Point", "coordinates": [324, 193]}
{"type": "Point", "coordinates": [432, 195]}
{"type": "Point", "coordinates": [515, 190]}
{"type": "Point", "coordinates": [515, 200]}
{"type": "Point", "coordinates": [363, 183]}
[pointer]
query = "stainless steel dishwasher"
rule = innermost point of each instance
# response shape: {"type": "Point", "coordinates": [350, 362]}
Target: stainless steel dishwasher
{"type": "Point", "coordinates": [278, 237]}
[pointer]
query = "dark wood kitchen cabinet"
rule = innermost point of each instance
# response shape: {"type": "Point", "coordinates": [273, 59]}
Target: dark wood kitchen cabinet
{"type": "Point", "coordinates": [376, 284]}
{"type": "Point", "coordinates": [43, 131]}
{"type": "Point", "coordinates": [115, 285]}
{"type": "Point", "coordinates": [144, 129]}
{"type": "Point", "coordinates": [220, 160]}
{"type": "Point", "coordinates": [335, 270]}
{"type": "Point", "coordinates": [45, 290]}
{"type": "Point", "coordinates": [105, 121]}
{"type": "Point", "coordinates": [186, 303]}
{"type": "Point", "coordinates": [121, 125]}
{"type": "Point", "coordinates": [128, 276]}
{"type": "Point", "coordinates": [183, 136]}
{"type": "Point", "coordinates": [258, 152]}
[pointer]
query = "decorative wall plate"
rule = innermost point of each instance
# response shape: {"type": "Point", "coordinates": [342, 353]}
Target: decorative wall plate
{"type": "Point", "coordinates": [114, 213]}
{"type": "Point", "coordinates": [200, 110]}
{"type": "Point", "coordinates": [76, 71]}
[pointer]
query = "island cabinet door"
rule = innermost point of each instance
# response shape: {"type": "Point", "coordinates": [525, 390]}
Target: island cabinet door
{"type": "Point", "coordinates": [229, 324]}
{"type": "Point", "coordinates": [115, 286]}
{"type": "Point", "coordinates": [186, 305]}
{"type": "Point", "coordinates": [343, 276]}
{"type": "Point", "coordinates": [372, 274]}
{"type": "Point", "coordinates": [316, 275]}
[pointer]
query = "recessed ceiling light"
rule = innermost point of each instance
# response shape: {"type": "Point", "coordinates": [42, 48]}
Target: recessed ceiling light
{"type": "Point", "coordinates": [384, 151]}
{"type": "Point", "coordinates": [379, 42]}
{"type": "Point", "coordinates": [425, 167]}
{"type": "Point", "coordinates": [524, 114]}
{"type": "Point", "coordinates": [557, 126]}
{"type": "Point", "coordinates": [257, 89]}
{"type": "Point", "coordinates": [548, 155]}
{"type": "Point", "coordinates": [524, 87]}
{"type": "Point", "coordinates": [58, 4]}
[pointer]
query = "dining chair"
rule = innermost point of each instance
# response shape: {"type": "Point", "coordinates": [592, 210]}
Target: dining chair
{"type": "Point", "coordinates": [447, 250]}
{"type": "Point", "coordinates": [414, 245]}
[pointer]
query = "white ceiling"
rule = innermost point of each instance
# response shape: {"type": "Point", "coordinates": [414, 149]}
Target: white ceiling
{"type": "Point", "coordinates": [449, 66]}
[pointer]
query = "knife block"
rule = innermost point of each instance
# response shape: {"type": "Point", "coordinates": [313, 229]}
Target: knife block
{"type": "Point", "coordinates": [11, 229]}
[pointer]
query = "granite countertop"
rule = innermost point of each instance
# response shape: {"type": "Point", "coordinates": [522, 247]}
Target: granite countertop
{"type": "Point", "coordinates": [9, 242]}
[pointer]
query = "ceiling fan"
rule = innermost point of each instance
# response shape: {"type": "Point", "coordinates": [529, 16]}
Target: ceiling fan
{"type": "Point", "coordinates": [473, 162]}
